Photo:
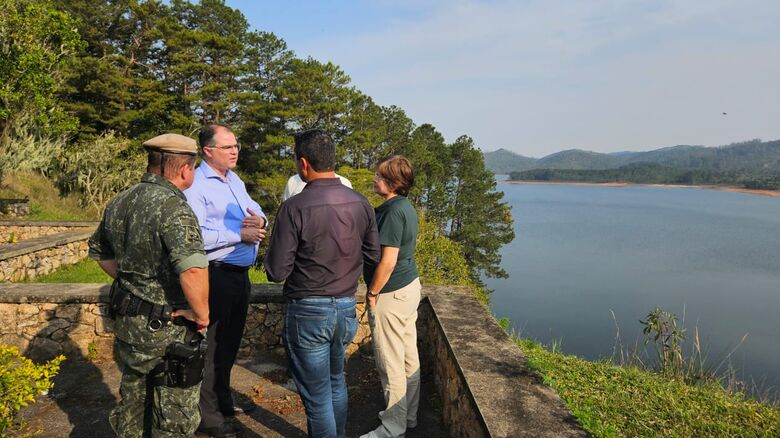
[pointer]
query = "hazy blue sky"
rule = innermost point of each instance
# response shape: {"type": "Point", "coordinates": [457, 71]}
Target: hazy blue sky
{"type": "Point", "coordinates": [540, 76]}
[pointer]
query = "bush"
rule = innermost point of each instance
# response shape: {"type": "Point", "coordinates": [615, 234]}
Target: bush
{"type": "Point", "coordinates": [98, 169]}
{"type": "Point", "coordinates": [21, 381]}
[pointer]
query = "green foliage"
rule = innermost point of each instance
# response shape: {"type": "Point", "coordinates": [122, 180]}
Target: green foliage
{"type": "Point", "coordinates": [149, 67]}
{"type": "Point", "coordinates": [99, 169]}
{"type": "Point", "coordinates": [21, 381]}
{"type": "Point", "coordinates": [29, 148]}
{"type": "Point", "coordinates": [660, 329]}
{"type": "Point", "coordinates": [480, 220]}
{"type": "Point", "coordinates": [92, 351]}
{"type": "Point", "coordinates": [614, 401]}
{"type": "Point", "coordinates": [35, 43]}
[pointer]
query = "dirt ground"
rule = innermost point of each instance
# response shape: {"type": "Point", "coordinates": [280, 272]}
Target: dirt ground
{"type": "Point", "coordinates": [85, 392]}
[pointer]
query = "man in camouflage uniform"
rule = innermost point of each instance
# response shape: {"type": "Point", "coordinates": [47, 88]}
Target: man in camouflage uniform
{"type": "Point", "coordinates": [150, 242]}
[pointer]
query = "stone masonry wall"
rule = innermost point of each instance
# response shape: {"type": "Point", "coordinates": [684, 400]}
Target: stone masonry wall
{"type": "Point", "coordinates": [83, 330]}
{"type": "Point", "coordinates": [42, 331]}
{"type": "Point", "coordinates": [10, 209]}
{"type": "Point", "coordinates": [42, 262]}
{"type": "Point", "coordinates": [459, 411]}
{"type": "Point", "coordinates": [15, 233]}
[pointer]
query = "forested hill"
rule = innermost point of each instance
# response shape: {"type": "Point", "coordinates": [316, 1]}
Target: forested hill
{"type": "Point", "coordinates": [745, 163]}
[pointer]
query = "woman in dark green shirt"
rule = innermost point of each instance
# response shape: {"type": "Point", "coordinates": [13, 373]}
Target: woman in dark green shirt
{"type": "Point", "coordinates": [392, 299]}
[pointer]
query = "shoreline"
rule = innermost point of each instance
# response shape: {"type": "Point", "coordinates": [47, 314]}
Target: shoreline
{"type": "Point", "coordinates": [770, 193]}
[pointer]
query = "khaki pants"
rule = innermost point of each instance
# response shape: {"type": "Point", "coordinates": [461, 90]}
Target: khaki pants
{"type": "Point", "coordinates": [393, 329]}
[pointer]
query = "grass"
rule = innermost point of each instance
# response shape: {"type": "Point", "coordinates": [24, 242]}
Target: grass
{"type": "Point", "coordinates": [88, 271]}
{"type": "Point", "coordinates": [626, 401]}
{"type": "Point", "coordinates": [46, 204]}
{"type": "Point", "coordinates": [85, 271]}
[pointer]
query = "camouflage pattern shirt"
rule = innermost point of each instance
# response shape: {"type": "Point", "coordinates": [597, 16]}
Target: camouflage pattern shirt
{"type": "Point", "coordinates": [152, 233]}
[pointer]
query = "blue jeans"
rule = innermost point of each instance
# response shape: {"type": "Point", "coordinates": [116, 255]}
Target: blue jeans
{"type": "Point", "coordinates": [317, 330]}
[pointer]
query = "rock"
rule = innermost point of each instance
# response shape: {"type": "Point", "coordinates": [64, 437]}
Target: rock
{"type": "Point", "coordinates": [268, 339]}
{"type": "Point", "coordinates": [7, 314]}
{"type": "Point", "coordinates": [272, 319]}
{"type": "Point", "coordinates": [41, 349]}
{"type": "Point", "coordinates": [15, 340]}
{"type": "Point", "coordinates": [104, 326]}
{"type": "Point", "coordinates": [52, 326]}
{"type": "Point", "coordinates": [71, 312]}
{"type": "Point", "coordinates": [47, 311]}
{"type": "Point", "coordinates": [82, 329]}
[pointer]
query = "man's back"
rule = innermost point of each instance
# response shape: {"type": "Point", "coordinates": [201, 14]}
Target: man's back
{"type": "Point", "coordinates": [321, 238]}
{"type": "Point", "coordinates": [151, 231]}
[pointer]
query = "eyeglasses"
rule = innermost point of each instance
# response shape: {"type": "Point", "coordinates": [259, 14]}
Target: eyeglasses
{"type": "Point", "coordinates": [227, 147]}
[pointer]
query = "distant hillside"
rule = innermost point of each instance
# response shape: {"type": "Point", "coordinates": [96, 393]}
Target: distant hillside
{"type": "Point", "coordinates": [503, 161]}
{"type": "Point", "coordinates": [578, 159]}
{"type": "Point", "coordinates": [750, 157]}
{"type": "Point", "coordinates": [651, 173]}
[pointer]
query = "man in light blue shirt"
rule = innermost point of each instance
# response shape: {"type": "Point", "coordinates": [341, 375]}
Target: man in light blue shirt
{"type": "Point", "coordinates": [232, 225]}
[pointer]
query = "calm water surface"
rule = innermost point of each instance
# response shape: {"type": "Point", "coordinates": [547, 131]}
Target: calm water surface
{"type": "Point", "coordinates": [583, 251]}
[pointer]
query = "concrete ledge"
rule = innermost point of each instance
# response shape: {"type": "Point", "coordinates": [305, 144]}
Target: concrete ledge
{"type": "Point", "coordinates": [508, 400]}
{"type": "Point", "coordinates": [95, 293]}
{"type": "Point", "coordinates": [45, 242]}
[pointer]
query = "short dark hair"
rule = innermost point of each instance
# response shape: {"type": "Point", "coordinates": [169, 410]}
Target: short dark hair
{"type": "Point", "coordinates": [398, 173]}
{"type": "Point", "coordinates": [207, 133]}
{"type": "Point", "coordinates": [318, 148]}
{"type": "Point", "coordinates": [173, 162]}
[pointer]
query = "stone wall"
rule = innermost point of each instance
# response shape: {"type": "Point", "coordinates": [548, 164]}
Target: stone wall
{"type": "Point", "coordinates": [16, 231]}
{"type": "Point", "coordinates": [44, 330]}
{"type": "Point", "coordinates": [37, 263]}
{"type": "Point", "coordinates": [11, 208]}
{"type": "Point", "coordinates": [44, 248]}
{"type": "Point", "coordinates": [44, 320]}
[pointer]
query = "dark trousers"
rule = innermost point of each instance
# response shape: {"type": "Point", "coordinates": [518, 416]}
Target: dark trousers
{"type": "Point", "coordinates": [228, 304]}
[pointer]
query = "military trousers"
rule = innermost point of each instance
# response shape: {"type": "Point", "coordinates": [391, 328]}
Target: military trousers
{"type": "Point", "coordinates": [145, 410]}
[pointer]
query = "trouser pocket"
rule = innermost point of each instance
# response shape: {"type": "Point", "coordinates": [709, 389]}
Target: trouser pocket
{"type": "Point", "coordinates": [310, 331]}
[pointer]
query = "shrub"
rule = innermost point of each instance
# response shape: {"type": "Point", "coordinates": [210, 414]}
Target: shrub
{"type": "Point", "coordinates": [21, 381]}
{"type": "Point", "coordinates": [98, 169]}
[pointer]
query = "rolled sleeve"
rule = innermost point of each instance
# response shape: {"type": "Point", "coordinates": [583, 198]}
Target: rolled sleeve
{"type": "Point", "coordinates": [192, 261]}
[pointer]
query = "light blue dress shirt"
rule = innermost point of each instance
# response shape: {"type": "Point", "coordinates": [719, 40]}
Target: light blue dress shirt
{"type": "Point", "coordinates": [220, 206]}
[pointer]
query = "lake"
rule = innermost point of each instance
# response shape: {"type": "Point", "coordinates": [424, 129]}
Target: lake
{"type": "Point", "coordinates": [581, 252]}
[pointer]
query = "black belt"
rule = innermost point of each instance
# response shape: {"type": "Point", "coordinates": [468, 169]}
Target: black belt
{"type": "Point", "coordinates": [158, 315]}
{"type": "Point", "coordinates": [227, 266]}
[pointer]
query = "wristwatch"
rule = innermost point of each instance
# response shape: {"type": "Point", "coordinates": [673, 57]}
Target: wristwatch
{"type": "Point", "coordinates": [371, 294]}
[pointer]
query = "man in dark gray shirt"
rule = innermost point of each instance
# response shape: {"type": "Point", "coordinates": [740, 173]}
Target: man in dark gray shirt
{"type": "Point", "coordinates": [320, 240]}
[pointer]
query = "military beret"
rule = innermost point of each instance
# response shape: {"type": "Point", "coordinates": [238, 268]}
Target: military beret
{"type": "Point", "coordinates": [172, 143]}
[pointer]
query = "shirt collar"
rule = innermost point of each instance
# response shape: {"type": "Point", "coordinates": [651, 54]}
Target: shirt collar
{"type": "Point", "coordinates": [209, 172]}
{"type": "Point", "coordinates": [151, 178]}
{"type": "Point", "coordinates": [324, 182]}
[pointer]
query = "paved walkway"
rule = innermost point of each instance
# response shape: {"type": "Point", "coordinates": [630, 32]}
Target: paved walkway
{"type": "Point", "coordinates": [86, 391]}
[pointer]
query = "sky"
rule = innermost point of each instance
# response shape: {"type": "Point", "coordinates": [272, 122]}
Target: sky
{"type": "Point", "coordinates": [540, 76]}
